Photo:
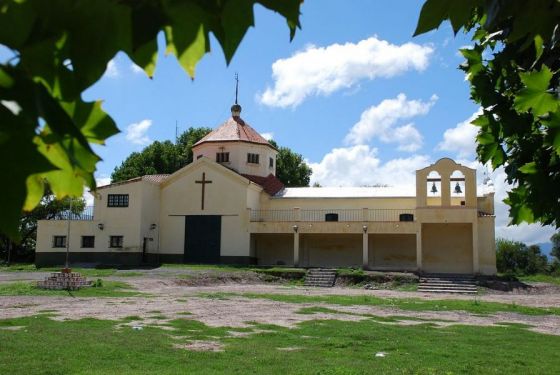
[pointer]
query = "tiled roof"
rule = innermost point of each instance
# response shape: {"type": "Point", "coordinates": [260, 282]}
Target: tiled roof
{"type": "Point", "coordinates": [234, 129]}
{"type": "Point", "coordinates": [270, 184]}
{"type": "Point", "coordinates": [153, 178]}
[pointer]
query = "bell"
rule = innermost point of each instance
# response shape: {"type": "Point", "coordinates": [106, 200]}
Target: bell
{"type": "Point", "coordinates": [458, 189]}
{"type": "Point", "coordinates": [434, 188]}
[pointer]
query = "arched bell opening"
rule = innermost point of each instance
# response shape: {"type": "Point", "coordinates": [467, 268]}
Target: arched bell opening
{"type": "Point", "coordinates": [433, 189]}
{"type": "Point", "coordinates": [457, 188]}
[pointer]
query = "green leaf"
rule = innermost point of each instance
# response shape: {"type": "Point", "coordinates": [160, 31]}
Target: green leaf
{"type": "Point", "coordinates": [289, 9]}
{"type": "Point", "coordinates": [35, 188]}
{"type": "Point", "coordinates": [186, 38]}
{"type": "Point", "coordinates": [92, 121]}
{"type": "Point", "coordinates": [433, 13]}
{"type": "Point", "coordinates": [529, 168]}
{"type": "Point", "coordinates": [538, 47]}
{"type": "Point", "coordinates": [534, 96]}
{"type": "Point", "coordinates": [237, 17]}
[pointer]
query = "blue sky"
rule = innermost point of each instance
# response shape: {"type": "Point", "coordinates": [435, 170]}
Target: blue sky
{"type": "Point", "coordinates": [354, 93]}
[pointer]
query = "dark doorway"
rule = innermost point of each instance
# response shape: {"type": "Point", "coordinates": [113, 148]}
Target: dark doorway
{"type": "Point", "coordinates": [202, 238]}
{"type": "Point", "coordinates": [144, 248]}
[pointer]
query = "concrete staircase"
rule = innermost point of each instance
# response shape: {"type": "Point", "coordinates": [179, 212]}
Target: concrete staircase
{"type": "Point", "coordinates": [447, 283]}
{"type": "Point", "coordinates": [320, 277]}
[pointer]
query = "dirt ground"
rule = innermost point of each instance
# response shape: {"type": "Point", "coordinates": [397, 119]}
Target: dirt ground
{"type": "Point", "coordinates": [172, 297]}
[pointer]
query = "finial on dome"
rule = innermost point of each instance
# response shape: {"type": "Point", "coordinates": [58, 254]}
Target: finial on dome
{"type": "Point", "coordinates": [236, 108]}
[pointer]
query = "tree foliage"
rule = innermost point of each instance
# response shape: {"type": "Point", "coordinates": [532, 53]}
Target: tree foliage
{"type": "Point", "coordinates": [160, 157]}
{"type": "Point", "coordinates": [49, 208]}
{"type": "Point", "coordinates": [62, 47]}
{"type": "Point", "coordinates": [517, 258]}
{"type": "Point", "coordinates": [291, 169]}
{"type": "Point", "coordinates": [513, 69]}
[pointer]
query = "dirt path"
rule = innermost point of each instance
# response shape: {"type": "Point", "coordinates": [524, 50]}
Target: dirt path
{"type": "Point", "coordinates": [172, 301]}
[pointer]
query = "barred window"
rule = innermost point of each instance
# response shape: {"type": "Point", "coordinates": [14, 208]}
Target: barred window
{"type": "Point", "coordinates": [59, 241]}
{"type": "Point", "coordinates": [222, 157]}
{"type": "Point", "coordinates": [117, 200]}
{"type": "Point", "coordinates": [116, 241]}
{"type": "Point", "coordinates": [88, 241]}
{"type": "Point", "coordinates": [253, 158]}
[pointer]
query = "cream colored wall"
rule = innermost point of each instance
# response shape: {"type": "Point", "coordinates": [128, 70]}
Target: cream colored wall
{"type": "Point", "coordinates": [340, 203]}
{"type": "Point", "coordinates": [333, 227]}
{"type": "Point", "coordinates": [274, 249]}
{"type": "Point", "coordinates": [447, 248]}
{"type": "Point", "coordinates": [47, 229]}
{"type": "Point", "coordinates": [226, 195]}
{"type": "Point", "coordinates": [331, 250]}
{"type": "Point", "coordinates": [150, 215]}
{"type": "Point", "coordinates": [392, 251]}
{"type": "Point", "coordinates": [238, 156]}
{"type": "Point", "coordinates": [486, 203]}
{"type": "Point", "coordinates": [486, 245]}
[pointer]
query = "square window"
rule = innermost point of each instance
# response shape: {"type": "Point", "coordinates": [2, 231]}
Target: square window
{"type": "Point", "coordinates": [253, 158]}
{"type": "Point", "coordinates": [222, 157]}
{"type": "Point", "coordinates": [117, 200]}
{"type": "Point", "coordinates": [116, 241]}
{"type": "Point", "coordinates": [88, 241]}
{"type": "Point", "coordinates": [59, 241]}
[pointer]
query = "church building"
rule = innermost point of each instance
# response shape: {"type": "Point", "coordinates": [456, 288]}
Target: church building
{"type": "Point", "coordinates": [227, 206]}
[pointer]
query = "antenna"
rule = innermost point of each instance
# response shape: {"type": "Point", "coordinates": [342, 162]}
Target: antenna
{"type": "Point", "coordinates": [236, 86]}
{"type": "Point", "coordinates": [176, 132]}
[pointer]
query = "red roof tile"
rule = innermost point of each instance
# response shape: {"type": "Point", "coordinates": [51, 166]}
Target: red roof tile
{"type": "Point", "coordinates": [271, 184]}
{"type": "Point", "coordinates": [234, 129]}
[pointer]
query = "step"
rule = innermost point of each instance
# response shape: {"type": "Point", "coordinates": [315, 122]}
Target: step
{"type": "Point", "coordinates": [447, 291]}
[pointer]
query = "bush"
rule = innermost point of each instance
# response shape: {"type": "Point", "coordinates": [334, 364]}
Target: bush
{"type": "Point", "coordinates": [514, 257]}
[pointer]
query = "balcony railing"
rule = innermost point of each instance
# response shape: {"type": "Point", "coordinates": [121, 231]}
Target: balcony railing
{"type": "Point", "coordinates": [323, 215]}
{"type": "Point", "coordinates": [86, 214]}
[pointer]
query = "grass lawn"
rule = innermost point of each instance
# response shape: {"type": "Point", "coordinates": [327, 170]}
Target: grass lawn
{"type": "Point", "coordinates": [541, 278]}
{"type": "Point", "coordinates": [44, 346]}
{"type": "Point", "coordinates": [411, 304]}
{"type": "Point", "coordinates": [108, 289]}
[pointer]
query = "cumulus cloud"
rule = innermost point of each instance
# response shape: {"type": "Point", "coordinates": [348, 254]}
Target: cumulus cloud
{"type": "Point", "coordinates": [461, 139]}
{"type": "Point", "coordinates": [136, 69]}
{"type": "Point", "coordinates": [324, 70]}
{"type": "Point", "coordinates": [379, 121]}
{"type": "Point", "coordinates": [112, 70]}
{"type": "Point", "coordinates": [268, 136]}
{"type": "Point", "coordinates": [136, 132]}
{"type": "Point", "coordinates": [359, 166]}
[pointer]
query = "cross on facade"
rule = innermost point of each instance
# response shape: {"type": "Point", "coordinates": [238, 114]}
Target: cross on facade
{"type": "Point", "coordinates": [204, 181]}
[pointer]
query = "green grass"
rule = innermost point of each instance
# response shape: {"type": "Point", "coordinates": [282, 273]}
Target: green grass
{"type": "Point", "coordinates": [541, 278]}
{"type": "Point", "coordinates": [474, 306]}
{"type": "Point", "coordinates": [109, 289]}
{"type": "Point", "coordinates": [89, 346]}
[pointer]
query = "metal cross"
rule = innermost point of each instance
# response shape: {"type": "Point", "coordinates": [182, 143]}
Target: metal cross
{"type": "Point", "coordinates": [204, 181]}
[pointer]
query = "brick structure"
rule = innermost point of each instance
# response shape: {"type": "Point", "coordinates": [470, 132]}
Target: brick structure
{"type": "Point", "coordinates": [63, 281]}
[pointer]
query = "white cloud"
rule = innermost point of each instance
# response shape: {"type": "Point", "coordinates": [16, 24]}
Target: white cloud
{"type": "Point", "coordinates": [359, 166]}
{"type": "Point", "coordinates": [379, 122]}
{"type": "Point", "coordinates": [136, 69]}
{"type": "Point", "coordinates": [461, 139]}
{"type": "Point", "coordinates": [324, 70]}
{"type": "Point", "coordinates": [112, 70]}
{"type": "Point", "coordinates": [268, 136]}
{"type": "Point", "coordinates": [136, 133]}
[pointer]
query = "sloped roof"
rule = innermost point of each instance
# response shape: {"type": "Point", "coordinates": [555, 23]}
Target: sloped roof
{"type": "Point", "coordinates": [153, 178]}
{"type": "Point", "coordinates": [270, 184]}
{"type": "Point", "coordinates": [234, 129]}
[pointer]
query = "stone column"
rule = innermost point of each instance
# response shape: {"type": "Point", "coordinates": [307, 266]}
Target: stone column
{"type": "Point", "coordinates": [476, 267]}
{"type": "Point", "coordinates": [419, 248]}
{"type": "Point", "coordinates": [296, 246]}
{"type": "Point", "coordinates": [365, 249]}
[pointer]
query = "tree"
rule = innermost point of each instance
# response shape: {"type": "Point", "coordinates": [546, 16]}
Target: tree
{"type": "Point", "coordinates": [515, 257]}
{"type": "Point", "coordinates": [291, 169]}
{"type": "Point", "coordinates": [160, 157]}
{"type": "Point", "coordinates": [514, 73]}
{"type": "Point", "coordinates": [49, 208]}
{"type": "Point", "coordinates": [62, 47]}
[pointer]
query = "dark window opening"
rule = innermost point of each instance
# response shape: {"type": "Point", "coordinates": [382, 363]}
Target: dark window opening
{"type": "Point", "coordinates": [88, 241]}
{"type": "Point", "coordinates": [271, 162]}
{"type": "Point", "coordinates": [116, 241]}
{"type": "Point", "coordinates": [222, 157]}
{"type": "Point", "coordinates": [253, 158]}
{"type": "Point", "coordinates": [117, 200]}
{"type": "Point", "coordinates": [59, 241]}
